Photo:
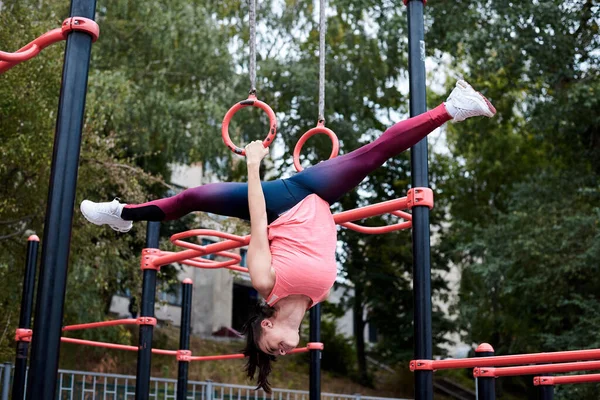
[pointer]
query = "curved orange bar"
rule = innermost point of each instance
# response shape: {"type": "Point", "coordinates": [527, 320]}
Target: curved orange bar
{"type": "Point", "coordinates": [320, 128]}
{"type": "Point", "coordinates": [251, 101]}
{"type": "Point", "coordinates": [188, 256]}
{"type": "Point", "coordinates": [9, 60]}
{"type": "Point", "coordinates": [209, 264]}
{"type": "Point", "coordinates": [30, 50]}
{"type": "Point", "coordinates": [375, 230]}
{"type": "Point", "coordinates": [371, 210]}
{"type": "Point", "coordinates": [176, 239]}
{"type": "Point", "coordinates": [402, 214]}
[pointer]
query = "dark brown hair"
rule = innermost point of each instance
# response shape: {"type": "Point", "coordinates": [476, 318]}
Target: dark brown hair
{"type": "Point", "coordinates": [256, 358]}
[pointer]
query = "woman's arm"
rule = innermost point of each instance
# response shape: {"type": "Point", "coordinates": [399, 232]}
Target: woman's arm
{"type": "Point", "coordinates": [259, 253]}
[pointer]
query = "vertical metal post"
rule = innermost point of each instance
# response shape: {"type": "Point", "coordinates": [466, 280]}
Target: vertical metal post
{"type": "Point", "coordinates": [420, 221]}
{"type": "Point", "coordinates": [18, 389]}
{"type": "Point", "coordinates": [209, 390]}
{"type": "Point", "coordinates": [144, 361]}
{"type": "Point", "coordinates": [59, 210]}
{"type": "Point", "coordinates": [184, 337]}
{"type": "Point", "coordinates": [546, 391]}
{"type": "Point", "coordinates": [315, 355]}
{"type": "Point", "coordinates": [486, 387]}
{"type": "Point", "coordinates": [6, 381]}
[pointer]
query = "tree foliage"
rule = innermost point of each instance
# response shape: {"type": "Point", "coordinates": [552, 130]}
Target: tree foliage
{"type": "Point", "coordinates": [516, 196]}
{"type": "Point", "coordinates": [524, 186]}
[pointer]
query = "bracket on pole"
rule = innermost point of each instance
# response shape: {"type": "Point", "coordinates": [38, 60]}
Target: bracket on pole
{"type": "Point", "coordinates": [23, 335]}
{"type": "Point", "coordinates": [421, 365]}
{"type": "Point", "coordinates": [148, 257]}
{"type": "Point", "coordinates": [184, 355]}
{"type": "Point", "coordinates": [420, 196]}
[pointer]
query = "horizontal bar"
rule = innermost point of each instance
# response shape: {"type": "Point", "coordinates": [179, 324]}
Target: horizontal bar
{"type": "Point", "coordinates": [114, 346]}
{"type": "Point", "coordinates": [239, 356]}
{"type": "Point", "coordinates": [536, 369]}
{"type": "Point", "coordinates": [565, 380]}
{"type": "Point", "coordinates": [100, 324]}
{"type": "Point", "coordinates": [173, 352]}
{"type": "Point", "coordinates": [499, 361]}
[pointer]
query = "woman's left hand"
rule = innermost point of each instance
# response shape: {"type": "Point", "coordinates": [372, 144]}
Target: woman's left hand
{"type": "Point", "coordinates": [255, 152]}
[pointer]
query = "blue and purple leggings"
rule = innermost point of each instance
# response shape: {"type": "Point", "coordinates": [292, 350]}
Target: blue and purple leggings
{"type": "Point", "coordinates": [328, 179]}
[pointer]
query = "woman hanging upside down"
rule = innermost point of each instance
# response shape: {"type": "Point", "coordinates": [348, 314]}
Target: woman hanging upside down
{"type": "Point", "coordinates": [291, 256]}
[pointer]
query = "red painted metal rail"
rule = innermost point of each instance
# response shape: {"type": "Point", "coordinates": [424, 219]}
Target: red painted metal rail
{"type": "Point", "coordinates": [32, 49]}
{"type": "Point", "coordinates": [489, 372]}
{"type": "Point", "coordinates": [499, 361]}
{"type": "Point", "coordinates": [182, 355]}
{"type": "Point", "coordinates": [310, 346]}
{"type": "Point", "coordinates": [565, 380]}
{"type": "Point", "coordinates": [115, 322]}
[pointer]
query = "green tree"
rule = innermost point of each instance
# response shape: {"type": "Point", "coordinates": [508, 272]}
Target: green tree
{"type": "Point", "coordinates": [146, 108]}
{"type": "Point", "coordinates": [524, 185]}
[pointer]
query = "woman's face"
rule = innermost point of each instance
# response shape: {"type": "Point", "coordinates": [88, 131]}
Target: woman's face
{"type": "Point", "coordinates": [277, 339]}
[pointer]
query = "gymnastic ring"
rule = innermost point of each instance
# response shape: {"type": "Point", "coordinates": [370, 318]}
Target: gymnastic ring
{"type": "Point", "coordinates": [251, 101]}
{"type": "Point", "coordinates": [314, 131]}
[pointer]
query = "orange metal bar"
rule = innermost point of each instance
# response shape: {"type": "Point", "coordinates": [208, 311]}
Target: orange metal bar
{"type": "Point", "coordinates": [500, 361]}
{"type": "Point", "coordinates": [371, 210]}
{"type": "Point", "coordinates": [535, 369]}
{"type": "Point", "coordinates": [100, 324]}
{"type": "Point", "coordinates": [240, 355]}
{"type": "Point", "coordinates": [565, 380]}
{"type": "Point", "coordinates": [375, 230]}
{"type": "Point", "coordinates": [9, 60]}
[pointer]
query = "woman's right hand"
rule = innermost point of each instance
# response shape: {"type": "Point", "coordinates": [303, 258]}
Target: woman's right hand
{"type": "Point", "coordinates": [255, 152]}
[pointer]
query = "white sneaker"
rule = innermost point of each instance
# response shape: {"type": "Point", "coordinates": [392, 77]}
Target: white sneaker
{"type": "Point", "coordinates": [107, 213]}
{"type": "Point", "coordinates": [465, 102]}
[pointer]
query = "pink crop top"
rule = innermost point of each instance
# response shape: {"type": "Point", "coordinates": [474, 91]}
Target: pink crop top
{"type": "Point", "coordinates": [303, 242]}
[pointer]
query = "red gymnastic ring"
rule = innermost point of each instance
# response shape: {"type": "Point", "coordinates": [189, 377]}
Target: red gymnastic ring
{"type": "Point", "coordinates": [251, 101]}
{"type": "Point", "coordinates": [314, 131]}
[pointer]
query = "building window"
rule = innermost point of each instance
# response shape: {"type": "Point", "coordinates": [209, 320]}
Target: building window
{"type": "Point", "coordinates": [243, 254]}
{"type": "Point", "coordinates": [244, 303]}
{"type": "Point", "coordinates": [206, 242]}
{"type": "Point", "coordinates": [372, 333]}
{"type": "Point", "coordinates": [172, 295]}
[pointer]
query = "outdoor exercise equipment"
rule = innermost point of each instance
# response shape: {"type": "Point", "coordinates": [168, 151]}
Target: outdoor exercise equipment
{"type": "Point", "coordinates": [46, 339]}
{"type": "Point", "coordinates": [320, 128]}
{"type": "Point", "coordinates": [45, 344]}
{"type": "Point", "coordinates": [252, 100]}
{"type": "Point", "coordinates": [183, 355]}
{"type": "Point", "coordinates": [487, 367]}
{"type": "Point", "coordinates": [32, 49]}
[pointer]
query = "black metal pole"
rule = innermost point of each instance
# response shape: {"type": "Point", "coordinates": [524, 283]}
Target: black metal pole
{"type": "Point", "coordinates": [45, 344]}
{"type": "Point", "coordinates": [546, 391]}
{"type": "Point", "coordinates": [420, 221]}
{"type": "Point", "coordinates": [315, 355]}
{"type": "Point", "coordinates": [486, 387]}
{"type": "Point", "coordinates": [184, 337]}
{"type": "Point", "coordinates": [144, 361]}
{"type": "Point", "coordinates": [18, 389]}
